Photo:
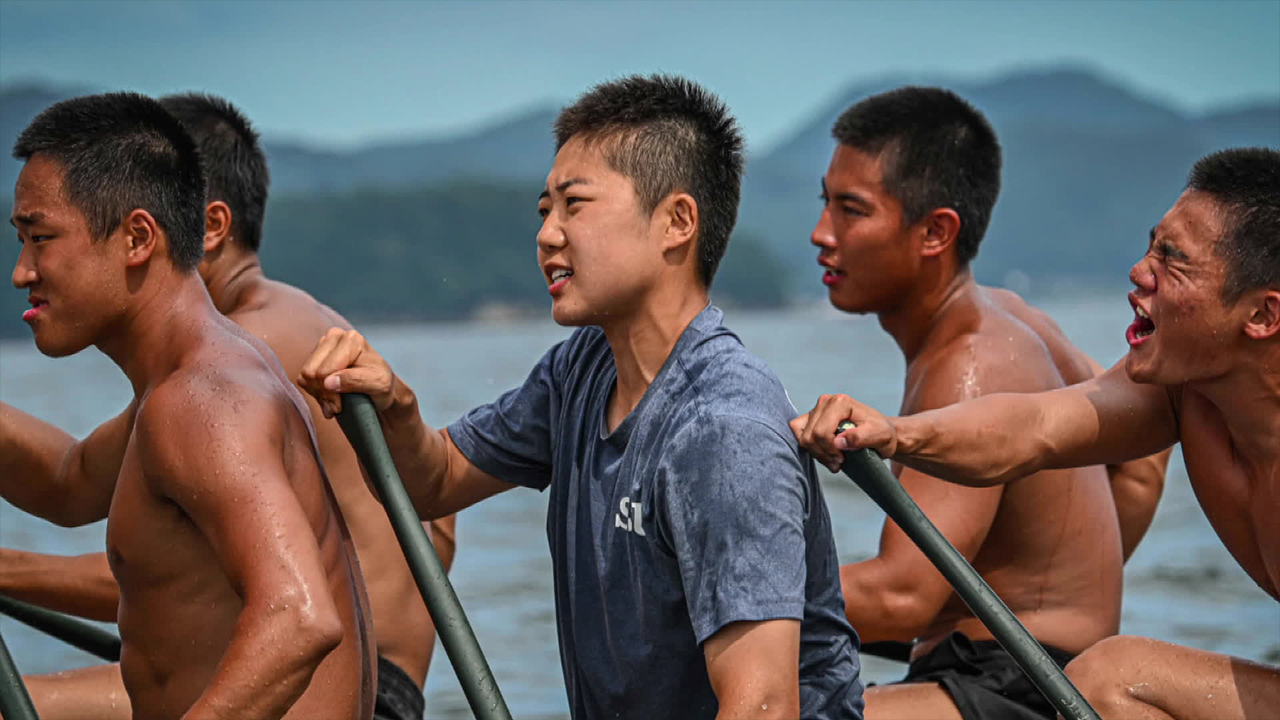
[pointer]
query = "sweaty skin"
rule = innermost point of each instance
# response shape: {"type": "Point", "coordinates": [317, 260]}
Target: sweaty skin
{"type": "Point", "coordinates": [1047, 544]}
{"type": "Point", "coordinates": [1137, 484]}
{"type": "Point", "coordinates": [1199, 372]}
{"type": "Point", "coordinates": [287, 320]}
{"type": "Point", "coordinates": [239, 591]}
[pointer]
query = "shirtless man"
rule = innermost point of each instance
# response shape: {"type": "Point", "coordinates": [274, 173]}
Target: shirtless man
{"type": "Point", "coordinates": [288, 321]}
{"type": "Point", "coordinates": [908, 194]}
{"type": "Point", "coordinates": [239, 592]}
{"type": "Point", "coordinates": [1203, 369]}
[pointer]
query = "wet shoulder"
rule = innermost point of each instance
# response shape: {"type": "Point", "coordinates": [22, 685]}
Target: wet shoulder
{"type": "Point", "coordinates": [997, 353]}
{"type": "Point", "coordinates": [1072, 362]}
{"type": "Point", "coordinates": [289, 321]}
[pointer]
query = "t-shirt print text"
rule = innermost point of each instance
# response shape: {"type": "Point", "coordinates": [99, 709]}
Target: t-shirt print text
{"type": "Point", "coordinates": [630, 516]}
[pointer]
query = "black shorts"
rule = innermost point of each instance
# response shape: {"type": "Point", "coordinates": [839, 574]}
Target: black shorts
{"type": "Point", "coordinates": [399, 697]}
{"type": "Point", "coordinates": [984, 681]}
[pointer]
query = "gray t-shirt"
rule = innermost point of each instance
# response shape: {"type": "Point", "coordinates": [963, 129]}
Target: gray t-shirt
{"type": "Point", "coordinates": [697, 511]}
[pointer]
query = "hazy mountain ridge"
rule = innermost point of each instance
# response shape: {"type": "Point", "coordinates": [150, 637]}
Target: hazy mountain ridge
{"type": "Point", "coordinates": [1090, 165]}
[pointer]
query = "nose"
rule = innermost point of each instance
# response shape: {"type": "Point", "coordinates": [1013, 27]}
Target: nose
{"type": "Point", "coordinates": [551, 234]}
{"type": "Point", "coordinates": [24, 270]}
{"type": "Point", "coordinates": [1142, 276]}
{"type": "Point", "coordinates": [823, 235]}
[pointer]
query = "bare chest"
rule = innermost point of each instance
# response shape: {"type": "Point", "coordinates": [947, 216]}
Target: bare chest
{"type": "Point", "coordinates": [1241, 499]}
{"type": "Point", "coordinates": [151, 543]}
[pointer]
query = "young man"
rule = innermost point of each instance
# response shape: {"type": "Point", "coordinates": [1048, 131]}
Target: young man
{"type": "Point", "coordinates": [239, 592]}
{"type": "Point", "coordinates": [1203, 369]}
{"type": "Point", "coordinates": [907, 197]}
{"type": "Point", "coordinates": [288, 321]}
{"type": "Point", "coordinates": [696, 573]}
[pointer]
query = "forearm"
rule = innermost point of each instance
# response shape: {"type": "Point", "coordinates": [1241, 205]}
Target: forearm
{"type": "Point", "coordinates": [758, 704]}
{"type": "Point", "coordinates": [273, 654]}
{"type": "Point", "coordinates": [881, 608]}
{"type": "Point", "coordinates": [420, 453]}
{"type": "Point", "coordinates": [79, 585]}
{"type": "Point", "coordinates": [34, 456]}
{"type": "Point", "coordinates": [981, 442]}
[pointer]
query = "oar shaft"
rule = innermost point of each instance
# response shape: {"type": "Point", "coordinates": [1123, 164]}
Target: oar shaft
{"type": "Point", "coordinates": [870, 474]}
{"type": "Point", "coordinates": [75, 632]}
{"type": "Point", "coordinates": [15, 703]}
{"type": "Point", "coordinates": [359, 420]}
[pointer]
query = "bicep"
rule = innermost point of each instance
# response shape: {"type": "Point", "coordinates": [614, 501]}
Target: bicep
{"type": "Point", "coordinates": [1107, 420]}
{"type": "Point", "coordinates": [751, 664]}
{"type": "Point", "coordinates": [962, 514]}
{"type": "Point", "coordinates": [234, 487]}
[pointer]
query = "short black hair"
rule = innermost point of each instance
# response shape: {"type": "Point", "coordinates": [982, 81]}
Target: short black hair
{"type": "Point", "coordinates": [120, 152]}
{"type": "Point", "coordinates": [234, 165]}
{"type": "Point", "coordinates": [1246, 184]}
{"type": "Point", "coordinates": [667, 134]}
{"type": "Point", "coordinates": [937, 151]}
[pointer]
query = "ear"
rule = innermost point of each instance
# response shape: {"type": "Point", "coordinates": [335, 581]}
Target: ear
{"type": "Point", "coordinates": [217, 226]}
{"type": "Point", "coordinates": [1264, 318]}
{"type": "Point", "coordinates": [940, 226]}
{"type": "Point", "coordinates": [679, 214]}
{"type": "Point", "coordinates": [142, 235]}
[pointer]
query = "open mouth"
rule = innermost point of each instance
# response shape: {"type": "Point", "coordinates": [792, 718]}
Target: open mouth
{"type": "Point", "coordinates": [1142, 327]}
{"type": "Point", "coordinates": [559, 278]}
{"type": "Point", "coordinates": [34, 310]}
{"type": "Point", "coordinates": [831, 276]}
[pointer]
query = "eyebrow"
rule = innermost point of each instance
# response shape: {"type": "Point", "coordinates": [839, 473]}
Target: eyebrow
{"type": "Point", "coordinates": [847, 195]}
{"type": "Point", "coordinates": [1168, 248]}
{"type": "Point", "coordinates": [26, 219]}
{"type": "Point", "coordinates": [564, 186]}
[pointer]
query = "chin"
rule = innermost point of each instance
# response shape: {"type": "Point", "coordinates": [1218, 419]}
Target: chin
{"type": "Point", "coordinates": [52, 347]}
{"type": "Point", "coordinates": [1139, 372]}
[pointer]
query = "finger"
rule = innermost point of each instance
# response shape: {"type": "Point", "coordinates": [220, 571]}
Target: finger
{"type": "Point", "coordinates": [311, 366]}
{"type": "Point", "coordinates": [371, 381]}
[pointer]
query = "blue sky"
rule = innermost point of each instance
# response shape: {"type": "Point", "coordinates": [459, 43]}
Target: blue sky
{"type": "Point", "coordinates": [344, 73]}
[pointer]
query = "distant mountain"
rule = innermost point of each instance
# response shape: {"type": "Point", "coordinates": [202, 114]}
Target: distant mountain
{"type": "Point", "coordinates": [1089, 167]}
{"type": "Point", "coordinates": [519, 148]}
{"type": "Point", "coordinates": [515, 148]}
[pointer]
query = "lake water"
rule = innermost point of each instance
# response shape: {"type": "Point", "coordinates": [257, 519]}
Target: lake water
{"type": "Point", "coordinates": [1180, 585]}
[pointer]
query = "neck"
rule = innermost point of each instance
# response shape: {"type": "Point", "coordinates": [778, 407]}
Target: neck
{"type": "Point", "coordinates": [1249, 400]}
{"type": "Point", "coordinates": [912, 320]}
{"type": "Point", "coordinates": [232, 280]}
{"type": "Point", "coordinates": [642, 341]}
{"type": "Point", "coordinates": [162, 321]}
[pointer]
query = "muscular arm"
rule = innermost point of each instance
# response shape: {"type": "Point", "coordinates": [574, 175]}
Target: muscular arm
{"type": "Point", "coordinates": [440, 480]}
{"type": "Point", "coordinates": [50, 474]}
{"type": "Point", "coordinates": [79, 585]}
{"type": "Point", "coordinates": [233, 485]}
{"type": "Point", "coordinates": [998, 438]}
{"type": "Point", "coordinates": [1136, 486]}
{"type": "Point", "coordinates": [897, 593]}
{"type": "Point", "coordinates": [754, 669]}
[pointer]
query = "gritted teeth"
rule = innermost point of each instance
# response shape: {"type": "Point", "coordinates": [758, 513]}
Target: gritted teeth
{"type": "Point", "coordinates": [560, 274]}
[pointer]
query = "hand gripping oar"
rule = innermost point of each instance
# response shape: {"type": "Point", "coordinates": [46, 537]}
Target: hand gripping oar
{"type": "Point", "coordinates": [359, 420]}
{"type": "Point", "coordinates": [869, 473]}
{"type": "Point", "coordinates": [80, 634]}
{"type": "Point", "coordinates": [15, 703]}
